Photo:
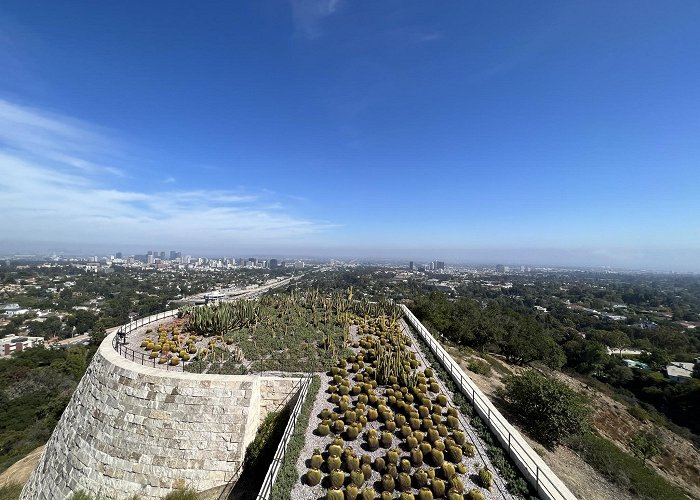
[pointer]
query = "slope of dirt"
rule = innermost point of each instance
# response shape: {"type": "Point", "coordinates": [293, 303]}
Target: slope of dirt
{"type": "Point", "coordinates": [583, 481]}
{"type": "Point", "coordinates": [20, 471]}
{"type": "Point", "coordinates": [679, 463]}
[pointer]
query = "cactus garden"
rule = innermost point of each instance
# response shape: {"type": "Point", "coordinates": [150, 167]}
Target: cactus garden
{"type": "Point", "coordinates": [382, 426]}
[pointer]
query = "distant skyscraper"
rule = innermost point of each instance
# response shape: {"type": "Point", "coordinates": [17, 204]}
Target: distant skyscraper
{"type": "Point", "coordinates": [173, 255]}
{"type": "Point", "coordinates": [410, 265]}
{"type": "Point", "coordinates": [162, 255]}
{"type": "Point", "coordinates": [151, 258]}
{"type": "Point", "coordinates": [118, 255]}
{"type": "Point", "coordinates": [273, 263]}
{"type": "Point", "coordinates": [439, 264]}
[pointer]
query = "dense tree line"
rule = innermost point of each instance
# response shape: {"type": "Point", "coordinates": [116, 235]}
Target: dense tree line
{"type": "Point", "coordinates": [35, 387]}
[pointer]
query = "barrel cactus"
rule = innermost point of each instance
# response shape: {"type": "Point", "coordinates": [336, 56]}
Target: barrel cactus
{"type": "Point", "coordinates": [313, 477]}
{"type": "Point", "coordinates": [388, 483]}
{"type": "Point", "coordinates": [485, 477]}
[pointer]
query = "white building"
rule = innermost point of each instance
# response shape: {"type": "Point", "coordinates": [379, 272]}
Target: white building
{"type": "Point", "coordinates": [14, 343]}
{"type": "Point", "coordinates": [679, 371]}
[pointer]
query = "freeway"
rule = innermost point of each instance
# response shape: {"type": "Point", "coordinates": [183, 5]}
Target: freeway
{"type": "Point", "coordinates": [235, 293]}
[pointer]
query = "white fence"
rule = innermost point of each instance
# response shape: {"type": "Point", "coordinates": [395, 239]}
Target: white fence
{"type": "Point", "coordinates": [547, 484]}
{"type": "Point", "coordinates": [273, 470]}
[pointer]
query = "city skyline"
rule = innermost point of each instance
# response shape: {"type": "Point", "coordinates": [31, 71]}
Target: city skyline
{"type": "Point", "coordinates": [551, 134]}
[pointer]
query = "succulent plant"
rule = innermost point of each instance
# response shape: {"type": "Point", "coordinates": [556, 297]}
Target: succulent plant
{"type": "Point", "coordinates": [425, 448]}
{"type": "Point", "coordinates": [433, 435]}
{"type": "Point", "coordinates": [337, 478]}
{"type": "Point", "coordinates": [351, 492]}
{"type": "Point", "coordinates": [316, 460]}
{"type": "Point", "coordinates": [335, 494]}
{"type": "Point", "coordinates": [392, 470]}
{"type": "Point", "coordinates": [485, 477]}
{"type": "Point", "coordinates": [388, 483]}
{"type": "Point", "coordinates": [323, 429]}
{"type": "Point", "coordinates": [338, 426]}
{"type": "Point", "coordinates": [438, 487]}
{"type": "Point", "coordinates": [406, 496]}
{"type": "Point", "coordinates": [387, 439]}
{"type": "Point", "coordinates": [416, 457]}
{"type": "Point", "coordinates": [462, 468]}
{"type": "Point", "coordinates": [379, 464]}
{"type": "Point", "coordinates": [333, 462]}
{"type": "Point", "coordinates": [352, 463]}
{"type": "Point", "coordinates": [366, 471]}
{"type": "Point", "coordinates": [421, 478]}
{"type": "Point", "coordinates": [459, 437]}
{"type": "Point", "coordinates": [447, 470]}
{"type": "Point", "coordinates": [474, 494]}
{"type": "Point", "coordinates": [351, 432]}
{"type": "Point", "coordinates": [368, 494]}
{"type": "Point", "coordinates": [425, 494]}
{"type": "Point", "coordinates": [469, 449]}
{"type": "Point", "coordinates": [357, 477]}
{"type": "Point", "coordinates": [456, 484]}
{"type": "Point", "coordinates": [404, 481]}
{"type": "Point", "coordinates": [313, 477]}
{"type": "Point", "coordinates": [454, 495]}
{"type": "Point", "coordinates": [455, 453]}
{"type": "Point", "coordinates": [442, 430]}
{"type": "Point", "coordinates": [405, 465]}
{"type": "Point", "coordinates": [392, 456]}
{"type": "Point", "coordinates": [437, 458]}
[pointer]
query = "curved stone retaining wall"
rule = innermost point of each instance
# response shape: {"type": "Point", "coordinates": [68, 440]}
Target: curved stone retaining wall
{"type": "Point", "coordinates": [135, 430]}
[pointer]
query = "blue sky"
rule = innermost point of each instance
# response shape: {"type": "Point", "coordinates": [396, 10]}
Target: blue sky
{"type": "Point", "coordinates": [545, 132]}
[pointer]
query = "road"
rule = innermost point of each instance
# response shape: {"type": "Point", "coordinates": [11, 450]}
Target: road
{"type": "Point", "coordinates": [236, 293]}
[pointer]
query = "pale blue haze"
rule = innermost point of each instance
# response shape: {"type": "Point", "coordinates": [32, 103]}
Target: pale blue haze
{"type": "Point", "coordinates": [521, 132]}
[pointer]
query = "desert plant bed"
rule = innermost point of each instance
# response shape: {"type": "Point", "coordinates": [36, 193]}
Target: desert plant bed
{"type": "Point", "coordinates": [279, 332]}
{"type": "Point", "coordinates": [383, 426]}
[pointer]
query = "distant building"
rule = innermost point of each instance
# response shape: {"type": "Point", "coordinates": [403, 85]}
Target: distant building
{"type": "Point", "coordinates": [274, 263]}
{"type": "Point", "coordinates": [679, 371]}
{"type": "Point", "coordinates": [118, 255]}
{"type": "Point", "coordinates": [410, 265]}
{"type": "Point", "coordinates": [500, 268]}
{"type": "Point", "coordinates": [13, 343]}
{"type": "Point", "coordinates": [439, 265]}
{"type": "Point", "coordinates": [162, 255]}
{"type": "Point", "coordinates": [173, 255]}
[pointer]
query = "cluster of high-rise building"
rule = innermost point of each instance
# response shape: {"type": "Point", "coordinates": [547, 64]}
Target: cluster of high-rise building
{"type": "Point", "coordinates": [158, 259]}
{"type": "Point", "coordinates": [436, 265]}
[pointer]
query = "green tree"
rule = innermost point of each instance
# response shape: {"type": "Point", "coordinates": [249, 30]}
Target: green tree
{"type": "Point", "coordinates": [549, 407]}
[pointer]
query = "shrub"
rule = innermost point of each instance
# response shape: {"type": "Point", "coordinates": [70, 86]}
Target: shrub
{"type": "Point", "coordinates": [550, 408]}
{"type": "Point", "coordinates": [186, 494]}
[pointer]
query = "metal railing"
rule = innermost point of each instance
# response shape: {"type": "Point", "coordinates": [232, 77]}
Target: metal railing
{"type": "Point", "coordinates": [119, 342]}
{"type": "Point", "coordinates": [546, 483]}
{"type": "Point", "coordinates": [273, 470]}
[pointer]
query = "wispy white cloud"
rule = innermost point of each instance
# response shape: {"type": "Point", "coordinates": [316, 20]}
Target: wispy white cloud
{"type": "Point", "coordinates": [51, 189]}
{"type": "Point", "coordinates": [308, 16]}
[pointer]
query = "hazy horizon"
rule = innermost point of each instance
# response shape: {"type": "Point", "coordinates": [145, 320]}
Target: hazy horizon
{"type": "Point", "coordinates": [550, 134]}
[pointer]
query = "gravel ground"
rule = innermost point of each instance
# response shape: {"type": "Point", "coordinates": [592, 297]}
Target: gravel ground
{"type": "Point", "coordinates": [302, 491]}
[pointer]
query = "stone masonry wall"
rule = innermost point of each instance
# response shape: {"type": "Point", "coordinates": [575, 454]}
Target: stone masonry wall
{"type": "Point", "coordinates": [130, 429]}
